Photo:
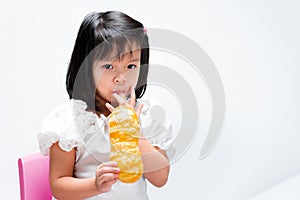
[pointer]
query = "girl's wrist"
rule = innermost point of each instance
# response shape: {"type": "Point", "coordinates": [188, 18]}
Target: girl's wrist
{"type": "Point", "coordinates": [145, 146]}
{"type": "Point", "coordinates": [95, 187]}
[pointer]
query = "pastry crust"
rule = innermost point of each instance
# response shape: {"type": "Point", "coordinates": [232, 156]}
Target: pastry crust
{"type": "Point", "coordinates": [124, 129]}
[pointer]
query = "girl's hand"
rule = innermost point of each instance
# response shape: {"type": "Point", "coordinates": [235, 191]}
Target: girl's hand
{"type": "Point", "coordinates": [106, 176]}
{"type": "Point", "coordinates": [123, 102]}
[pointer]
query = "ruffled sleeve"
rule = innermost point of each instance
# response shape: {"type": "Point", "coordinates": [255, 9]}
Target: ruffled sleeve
{"type": "Point", "coordinates": [156, 127]}
{"type": "Point", "coordinates": [58, 126]}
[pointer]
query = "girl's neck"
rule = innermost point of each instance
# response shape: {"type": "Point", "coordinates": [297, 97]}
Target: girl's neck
{"type": "Point", "coordinates": [101, 109]}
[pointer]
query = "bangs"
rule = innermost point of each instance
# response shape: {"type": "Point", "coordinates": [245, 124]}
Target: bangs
{"type": "Point", "coordinates": [117, 46]}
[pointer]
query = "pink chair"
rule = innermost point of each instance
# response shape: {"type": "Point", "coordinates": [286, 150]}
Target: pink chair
{"type": "Point", "coordinates": [34, 177]}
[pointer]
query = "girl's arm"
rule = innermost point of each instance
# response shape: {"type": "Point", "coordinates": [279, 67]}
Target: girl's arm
{"type": "Point", "coordinates": [156, 163]}
{"type": "Point", "coordinates": [65, 186]}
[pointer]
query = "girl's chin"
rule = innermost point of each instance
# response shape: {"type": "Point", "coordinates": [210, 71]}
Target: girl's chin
{"type": "Point", "coordinates": [114, 104]}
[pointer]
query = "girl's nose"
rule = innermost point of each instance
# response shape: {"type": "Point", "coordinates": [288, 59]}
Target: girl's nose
{"type": "Point", "coordinates": [120, 78]}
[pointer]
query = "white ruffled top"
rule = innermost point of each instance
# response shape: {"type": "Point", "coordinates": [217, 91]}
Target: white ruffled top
{"type": "Point", "coordinates": [73, 127]}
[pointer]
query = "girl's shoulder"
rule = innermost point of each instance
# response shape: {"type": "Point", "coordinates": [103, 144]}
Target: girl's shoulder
{"type": "Point", "coordinates": [149, 105]}
{"type": "Point", "coordinates": [152, 112]}
{"type": "Point", "coordinates": [63, 114]}
{"type": "Point", "coordinates": [62, 125]}
{"type": "Point", "coordinates": [156, 125]}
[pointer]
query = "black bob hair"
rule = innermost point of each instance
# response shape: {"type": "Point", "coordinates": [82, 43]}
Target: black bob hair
{"type": "Point", "coordinates": [97, 37]}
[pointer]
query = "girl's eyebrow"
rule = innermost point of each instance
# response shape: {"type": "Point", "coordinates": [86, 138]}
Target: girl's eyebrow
{"type": "Point", "coordinates": [111, 60]}
{"type": "Point", "coordinates": [134, 60]}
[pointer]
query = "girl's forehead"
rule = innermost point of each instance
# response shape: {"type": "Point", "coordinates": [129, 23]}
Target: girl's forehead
{"type": "Point", "coordinates": [127, 54]}
{"type": "Point", "coordinates": [117, 49]}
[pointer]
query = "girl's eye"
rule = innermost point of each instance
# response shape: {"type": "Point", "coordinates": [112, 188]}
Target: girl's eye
{"type": "Point", "coordinates": [109, 66]}
{"type": "Point", "coordinates": [131, 66]}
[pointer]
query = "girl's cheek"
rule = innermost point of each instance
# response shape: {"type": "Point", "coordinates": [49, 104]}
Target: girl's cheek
{"type": "Point", "coordinates": [97, 76]}
{"type": "Point", "coordinates": [103, 77]}
{"type": "Point", "coordinates": [133, 75]}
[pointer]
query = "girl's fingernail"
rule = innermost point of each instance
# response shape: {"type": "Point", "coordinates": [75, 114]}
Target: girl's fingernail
{"type": "Point", "coordinates": [116, 170]}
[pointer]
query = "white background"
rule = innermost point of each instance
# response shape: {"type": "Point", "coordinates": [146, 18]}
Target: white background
{"type": "Point", "coordinates": [255, 46]}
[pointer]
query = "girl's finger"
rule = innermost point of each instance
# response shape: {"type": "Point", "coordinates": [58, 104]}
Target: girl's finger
{"type": "Point", "coordinates": [109, 164]}
{"type": "Point", "coordinates": [109, 107]}
{"type": "Point", "coordinates": [132, 97]}
{"type": "Point", "coordinates": [109, 183]}
{"type": "Point", "coordinates": [105, 170]}
{"type": "Point", "coordinates": [107, 177]}
{"type": "Point", "coordinates": [120, 100]}
{"type": "Point", "coordinates": [139, 109]}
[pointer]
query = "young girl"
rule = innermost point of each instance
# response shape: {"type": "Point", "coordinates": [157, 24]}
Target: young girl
{"type": "Point", "coordinates": [108, 68]}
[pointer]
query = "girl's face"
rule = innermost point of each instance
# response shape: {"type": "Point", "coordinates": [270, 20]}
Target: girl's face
{"type": "Point", "coordinates": [116, 75]}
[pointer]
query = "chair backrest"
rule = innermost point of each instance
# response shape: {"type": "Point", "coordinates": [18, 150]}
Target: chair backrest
{"type": "Point", "coordinates": [34, 177]}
